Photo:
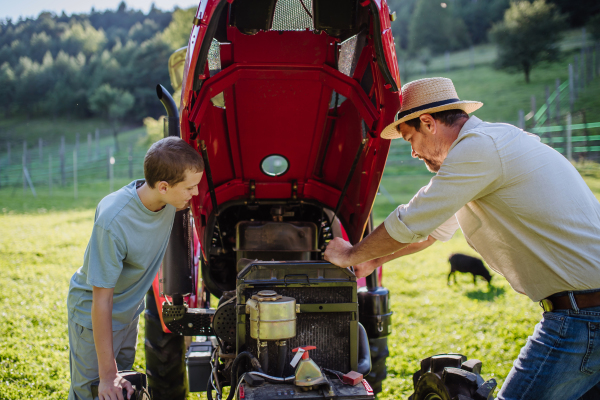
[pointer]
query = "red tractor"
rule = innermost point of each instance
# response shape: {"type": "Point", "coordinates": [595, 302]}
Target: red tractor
{"type": "Point", "coordinates": [285, 100]}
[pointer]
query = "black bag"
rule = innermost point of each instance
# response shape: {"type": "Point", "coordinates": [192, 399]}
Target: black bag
{"type": "Point", "coordinates": [138, 380]}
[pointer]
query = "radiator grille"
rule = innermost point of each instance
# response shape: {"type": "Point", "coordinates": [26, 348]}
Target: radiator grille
{"type": "Point", "coordinates": [329, 332]}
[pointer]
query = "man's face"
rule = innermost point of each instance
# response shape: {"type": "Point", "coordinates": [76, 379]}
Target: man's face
{"type": "Point", "coordinates": [425, 146]}
{"type": "Point", "coordinates": [180, 194]}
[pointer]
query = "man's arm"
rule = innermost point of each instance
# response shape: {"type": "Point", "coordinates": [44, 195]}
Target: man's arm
{"type": "Point", "coordinates": [111, 383]}
{"type": "Point", "coordinates": [378, 244]}
{"type": "Point", "coordinates": [365, 268]}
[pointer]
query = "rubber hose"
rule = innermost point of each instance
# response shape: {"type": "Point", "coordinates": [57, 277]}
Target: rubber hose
{"type": "Point", "coordinates": [234, 376]}
{"type": "Point", "coordinates": [281, 358]}
{"type": "Point", "coordinates": [273, 379]}
{"type": "Point", "coordinates": [364, 352]}
{"type": "Point", "coordinates": [264, 358]}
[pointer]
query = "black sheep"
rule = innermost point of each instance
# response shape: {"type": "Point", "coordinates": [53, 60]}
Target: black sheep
{"type": "Point", "coordinates": [472, 265]}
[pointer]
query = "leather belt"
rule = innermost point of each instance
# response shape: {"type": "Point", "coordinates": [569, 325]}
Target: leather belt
{"type": "Point", "coordinates": [563, 302]}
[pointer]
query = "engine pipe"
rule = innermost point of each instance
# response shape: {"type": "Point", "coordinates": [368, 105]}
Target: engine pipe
{"type": "Point", "coordinates": [282, 348]}
{"type": "Point", "coordinates": [172, 114]}
{"type": "Point", "coordinates": [371, 279]}
{"type": "Point", "coordinates": [264, 356]}
{"type": "Point", "coordinates": [364, 353]}
{"type": "Point", "coordinates": [234, 376]}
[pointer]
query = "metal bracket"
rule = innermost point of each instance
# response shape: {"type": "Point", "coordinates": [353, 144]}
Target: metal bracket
{"type": "Point", "coordinates": [294, 190]}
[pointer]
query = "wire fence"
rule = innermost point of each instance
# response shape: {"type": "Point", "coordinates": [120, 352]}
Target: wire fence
{"type": "Point", "coordinates": [63, 165]}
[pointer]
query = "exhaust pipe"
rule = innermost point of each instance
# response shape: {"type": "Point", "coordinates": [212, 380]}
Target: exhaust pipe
{"type": "Point", "coordinates": [172, 114]}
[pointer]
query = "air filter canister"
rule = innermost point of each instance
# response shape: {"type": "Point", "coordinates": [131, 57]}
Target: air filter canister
{"type": "Point", "coordinates": [272, 317]}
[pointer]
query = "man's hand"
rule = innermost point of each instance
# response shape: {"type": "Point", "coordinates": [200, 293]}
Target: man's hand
{"type": "Point", "coordinates": [338, 252]}
{"type": "Point", "coordinates": [112, 388]}
{"type": "Point", "coordinates": [365, 269]}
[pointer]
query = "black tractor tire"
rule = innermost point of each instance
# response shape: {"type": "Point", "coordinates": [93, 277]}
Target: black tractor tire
{"type": "Point", "coordinates": [379, 354]}
{"type": "Point", "coordinates": [451, 377]}
{"type": "Point", "coordinates": [165, 357]}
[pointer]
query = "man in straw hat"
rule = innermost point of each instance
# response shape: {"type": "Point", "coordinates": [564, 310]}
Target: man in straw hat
{"type": "Point", "coordinates": [524, 208]}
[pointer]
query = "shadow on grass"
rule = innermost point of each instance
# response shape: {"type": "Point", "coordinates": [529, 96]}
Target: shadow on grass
{"type": "Point", "coordinates": [489, 295]}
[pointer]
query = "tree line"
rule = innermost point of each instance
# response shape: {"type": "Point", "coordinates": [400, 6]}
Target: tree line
{"type": "Point", "coordinates": [102, 63]}
{"type": "Point", "coordinates": [424, 28]}
{"type": "Point", "coordinates": [107, 63]}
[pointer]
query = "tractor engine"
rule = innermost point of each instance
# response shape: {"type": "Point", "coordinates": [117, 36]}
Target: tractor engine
{"type": "Point", "coordinates": [290, 324]}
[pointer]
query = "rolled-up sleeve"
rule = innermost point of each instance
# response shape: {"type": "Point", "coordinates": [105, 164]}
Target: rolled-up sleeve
{"type": "Point", "coordinates": [471, 170]}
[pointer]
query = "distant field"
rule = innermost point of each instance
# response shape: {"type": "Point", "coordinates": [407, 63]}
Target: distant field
{"type": "Point", "coordinates": [42, 244]}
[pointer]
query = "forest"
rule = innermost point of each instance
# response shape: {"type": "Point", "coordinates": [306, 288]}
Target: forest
{"type": "Point", "coordinates": [107, 63]}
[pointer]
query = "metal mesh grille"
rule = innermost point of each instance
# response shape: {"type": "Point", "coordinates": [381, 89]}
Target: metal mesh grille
{"type": "Point", "coordinates": [313, 295]}
{"type": "Point", "coordinates": [290, 15]}
{"type": "Point", "coordinates": [348, 56]}
{"type": "Point", "coordinates": [214, 57]}
{"type": "Point", "coordinates": [329, 332]}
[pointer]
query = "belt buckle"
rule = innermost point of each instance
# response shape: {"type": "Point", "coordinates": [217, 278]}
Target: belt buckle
{"type": "Point", "coordinates": [547, 305]}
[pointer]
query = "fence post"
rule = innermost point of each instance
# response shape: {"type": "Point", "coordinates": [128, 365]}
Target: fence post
{"type": "Point", "coordinates": [130, 161]}
{"type": "Point", "coordinates": [447, 58]}
{"type": "Point", "coordinates": [533, 109]}
{"type": "Point", "coordinates": [571, 88]}
{"type": "Point", "coordinates": [50, 174]}
{"type": "Point", "coordinates": [63, 178]}
{"type": "Point", "coordinates": [582, 61]}
{"type": "Point", "coordinates": [8, 151]}
{"type": "Point", "coordinates": [75, 172]}
{"type": "Point", "coordinates": [24, 161]}
{"type": "Point", "coordinates": [521, 119]}
{"type": "Point", "coordinates": [77, 141]}
{"type": "Point", "coordinates": [557, 101]}
{"type": "Point", "coordinates": [472, 57]}
{"type": "Point", "coordinates": [576, 76]}
{"type": "Point", "coordinates": [89, 152]}
{"type": "Point", "coordinates": [597, 59]}
{"type": "Point", "coordinates": [97, 152]}
{"type": "Point", "coordinates": [40, 149]}
{"type": "Point", "coordinates": [111, 162]}
{"type": "Point", "coordinates": [569, 144]}
{"type": "Point", "coordinates": [548, 122]}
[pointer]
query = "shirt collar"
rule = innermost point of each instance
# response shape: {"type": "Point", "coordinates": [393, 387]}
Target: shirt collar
{"type": "Point", "coordinates": [471, 123]}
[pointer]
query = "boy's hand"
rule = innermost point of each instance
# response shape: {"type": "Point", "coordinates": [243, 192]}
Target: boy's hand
{"type": "Point", "coordinates": [112, 388]}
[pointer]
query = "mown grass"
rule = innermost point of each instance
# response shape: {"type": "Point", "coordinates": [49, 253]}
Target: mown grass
{"type": "Point", "coordinates": [41, 245]}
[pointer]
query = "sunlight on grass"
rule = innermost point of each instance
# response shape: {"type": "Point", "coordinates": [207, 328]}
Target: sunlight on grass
{"type": "Point", "coordinates": [40, 251]}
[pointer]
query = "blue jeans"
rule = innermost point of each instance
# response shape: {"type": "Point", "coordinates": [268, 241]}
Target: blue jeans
{"type": "Point", "coordinates": [561, 360]}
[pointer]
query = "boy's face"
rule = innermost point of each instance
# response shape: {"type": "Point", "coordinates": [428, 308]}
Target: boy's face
{"type": "Point", "coordinates": [180, 194]}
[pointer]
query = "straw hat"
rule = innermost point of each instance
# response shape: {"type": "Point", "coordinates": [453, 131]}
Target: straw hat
{"type": "Point", "coordinates": [426, 96]}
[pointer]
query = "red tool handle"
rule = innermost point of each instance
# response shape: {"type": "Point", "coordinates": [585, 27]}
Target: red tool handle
{"type": "Point", "coordinates": [305, 348]}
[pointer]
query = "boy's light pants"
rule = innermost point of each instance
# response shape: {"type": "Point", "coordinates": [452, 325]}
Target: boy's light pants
{"type": "Point", "coordinates": [84, 361]}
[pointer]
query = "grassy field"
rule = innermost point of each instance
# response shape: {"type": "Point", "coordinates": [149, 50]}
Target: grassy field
{"type": "Point", "coordinates": [42, 243]}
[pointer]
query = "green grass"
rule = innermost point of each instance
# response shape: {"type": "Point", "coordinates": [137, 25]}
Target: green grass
{"type": "Point", "coordinates": [42, 243]}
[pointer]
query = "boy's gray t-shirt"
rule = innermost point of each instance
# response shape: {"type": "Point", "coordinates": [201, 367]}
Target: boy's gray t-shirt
{"type": "Point", "coordinates": [125, 251]}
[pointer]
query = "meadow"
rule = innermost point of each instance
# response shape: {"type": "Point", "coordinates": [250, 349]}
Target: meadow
{"type": "Point", "coordinates": [42, 242]}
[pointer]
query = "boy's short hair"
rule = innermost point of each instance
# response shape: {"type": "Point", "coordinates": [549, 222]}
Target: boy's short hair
{"type": "Point", "coordinates": [168, 159]}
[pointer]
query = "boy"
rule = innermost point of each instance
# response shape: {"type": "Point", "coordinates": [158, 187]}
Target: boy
{"type": "Point", "coordinates": [129, 238]}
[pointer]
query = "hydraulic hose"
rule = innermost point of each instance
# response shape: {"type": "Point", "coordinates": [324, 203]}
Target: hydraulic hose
{"type": "Point", "coordinates": [234, 376]}
{"type": "Point", "coordinates": [281, 357]}
{"type": "Point", "coordinates": [273, 379]}
{"type": "Point", "coordinates": [364, 353]}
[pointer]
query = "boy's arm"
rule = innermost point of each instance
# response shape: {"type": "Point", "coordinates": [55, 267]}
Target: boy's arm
{"type": "Point", "coordinates": [111, 383]}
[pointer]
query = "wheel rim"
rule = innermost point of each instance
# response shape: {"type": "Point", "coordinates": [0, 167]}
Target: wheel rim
{"type": "Point", "coordinates": [432, 396]}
